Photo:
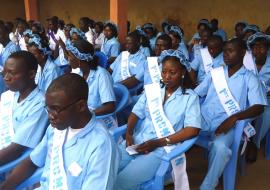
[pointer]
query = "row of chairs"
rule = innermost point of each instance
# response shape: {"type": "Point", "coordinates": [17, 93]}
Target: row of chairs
{"type": "Point", "coordinates": [164, 171]}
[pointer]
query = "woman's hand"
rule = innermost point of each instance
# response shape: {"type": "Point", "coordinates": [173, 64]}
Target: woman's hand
{"type": "Point", "coordinates": [129, 139]}
{"type": "Point", "coordinates": [149, 146]}
{"type": "Point", "coordinates": [226, 125]}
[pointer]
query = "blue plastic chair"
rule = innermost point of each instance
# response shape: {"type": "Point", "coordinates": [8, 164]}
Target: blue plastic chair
{"type": "Point", "coordinates": [35, 178]}
{"type": "Point", "coordinates": [122, 97]}
{"type": "Point", "coordinates": [267, 146]}
{"type": "Point", "coordinates": [102, 59]}
{"type": "Point", "coordinates": [229, 174]}
{"type": "Point", "coordinates": [164, 170]}
{"type": "Point", "coordinates": [9, 166]}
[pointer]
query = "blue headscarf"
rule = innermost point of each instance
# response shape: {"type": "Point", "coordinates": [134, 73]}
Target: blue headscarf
{"type": "Point", "coordinates": [175, 53]}
{"type": "Point", "coordinates": [81, 56]}
{"type": "Point", "coordinates": [177, 30]}
{"type": "Point", "coordinates": [36, 40]}
{"type": "Point", "coordinates": [252, 39]}
{"type": "Point", "coordinates": [78, 32]}
{"type": "Point", "coordinates": [251, 27]}
{"type": "Point", "coordinates": [148, 25]}
{"type": "Point", "coordinates": [28, 32]}
{"type": "Point", "coordinates": [140, 30]}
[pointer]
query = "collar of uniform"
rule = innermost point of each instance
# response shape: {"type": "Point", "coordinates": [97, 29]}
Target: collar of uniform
{"type": "Point", "coordinates": [87, 129]}
{"type": "Point", "coordinates": [135, 54]}
{"type": "Point", "coordinates": [178, 92]}
{"type": "Point", "coordinates": [91, 75]}
{"type": "Point", "coordinates": [241, 71]}
{"type": "Point", "coordinates": [219, 57]}
{"type": "Point", "coordinates": [110, 40]}
{"type": "Point", "coordinates": [29, 97]}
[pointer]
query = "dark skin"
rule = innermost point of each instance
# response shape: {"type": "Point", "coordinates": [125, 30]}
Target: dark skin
{"type": "Point", "coordinates": [175, 41]}
{"type": "Point", "coordinates": [17, 78]}
{"type": "Point", "coordinates": [108, 33]}
{"type": "Point", "coordinates": [106, 108]}
{"type": "Point", "coordinates": [132, 47]}
{"type": "Point", "coordinates": [233, 57]}
{"type": "Point", "coordinates": [161, 45]}
{"type": "Point", "coordinates": [4, 37]}
{"type": "Point", "coordinates": [239, 33]}
{"type": "Point", "coordinates": [76, 116]}
{"type": "Point", "coordinates": [171, 74]}
{"type": "Point", "coordinates": [38, 54]}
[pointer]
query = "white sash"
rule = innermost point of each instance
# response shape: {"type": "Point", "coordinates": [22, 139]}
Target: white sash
{"type": "Point", "coordinates": [249, 62]}
{"type": "Point", "coordinates": [154, 69]}
{"type": "Point", "coordinates": [227, 100]}
{"type": "Point", "coordinates": [38, 74]}
{"type": "Point", "coordinates": [6, 124]}
{"type": "Point", "coordinates": [124, 65]}
{"type": "Point", "coordinates": [58, 178]}
{"type": "Point", "coordinates": [207, 60]}
{"type": "Point", "coordinates": [164, 128]}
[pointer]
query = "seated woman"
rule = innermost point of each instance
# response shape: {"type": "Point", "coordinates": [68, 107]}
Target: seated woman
{"type": "Point", "coordinates": [101, 98]}
{"type": "Point", "coordinates": [185, 120]}
{"type": "Point", "coordinates": [111, 45]}
{"type": "Point", "coordinates": [48, 70]}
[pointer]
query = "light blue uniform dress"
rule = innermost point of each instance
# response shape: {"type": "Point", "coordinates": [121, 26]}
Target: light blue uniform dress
{"type": "Point", "coordinates": [10, 48]}
{"type": "Point", "coordinates": [30, 119]}
{"type": "Point", "coordinates": [197, 65]}
{"type": "Point", "coordinates": [146, 51]}
{"type": "Point", "coordinates": [182, 47]}
{"type": "Point", "coordinates": [50, 72]}
{"type": "Point", "coordinates": [247, 91]}
{"type": "Point", "coordinates": [111, 47]}
{"type": "Point", "coordinates": [92, 148]}
{"type": "Point", "coordinates": [100, 86]}
{"type": "Point", "coordinates": [153, 42]}
{"type": "Point", "coordinates": [136, 63]}
{"type": "Point", "coordinates": [137, 169]}
{"type": "Point", "coordinates": [262, 124]}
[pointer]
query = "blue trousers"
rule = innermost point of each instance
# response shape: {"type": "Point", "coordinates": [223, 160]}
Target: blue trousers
{"type": "Point", "coordinates": [219, 155]}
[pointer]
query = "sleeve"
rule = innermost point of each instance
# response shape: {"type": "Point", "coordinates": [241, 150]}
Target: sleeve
{"type": "Point", "coordinates": [256, 94]}
{"type": "Point", "coordinates": [50, 76]}
{"type": "Point", "coordinates": [203, 87]}
{"type": "Point", "coordinates": [140, 70]}
{"type": "Point", "coordinates": [116, 62]}
{"type": "Point", "coordinates": [115, 49]}
{"type": "Point", "coordinates": [139, 107]}
{"type": "Point", "coordinates": [32, 128]}
{"type": "Point", "coordinates": [39, 154]}
{"type": "Point", "coordinates": [102, 167]}
{"type": "Point", "coordinates": [105, 88]}
{"type": "Point", "coordinates": [193, 112]}
{"type": "Point", "coordinates": [195, 64]}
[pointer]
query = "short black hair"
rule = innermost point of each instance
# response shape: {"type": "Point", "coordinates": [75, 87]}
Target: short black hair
{"type": "Point", "coordinates": [215, 38]}
{"type": "Point", "coordinates": [100, 25]}
{"type": "Point", "coordinates": [166, 38]}
{"type": "Point", "coordinates": [74, 86]}
{"type": "Point", "coordinates": [134, 35]}
{"type": "Point", "coordinates": [89, 22]}
{"type": "Point", "coordinates": [28, 59]}
{"type": "Point", "coordinates": [242, 24]}
{"type": "Point", "coordinates": [113, 28]}
{"type": "Point", "coordinates": [241, 44]}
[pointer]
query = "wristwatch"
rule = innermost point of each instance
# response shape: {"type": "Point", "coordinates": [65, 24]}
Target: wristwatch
{"type": "Point", "coordinates": [168, 141]}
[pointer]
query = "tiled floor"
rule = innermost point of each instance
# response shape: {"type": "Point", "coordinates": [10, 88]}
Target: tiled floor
{"type": "Point", "coordinates": [257, 177]}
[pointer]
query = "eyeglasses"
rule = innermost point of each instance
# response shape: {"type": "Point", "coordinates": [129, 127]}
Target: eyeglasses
{"type": "Point", "coordinates": [56, 111]}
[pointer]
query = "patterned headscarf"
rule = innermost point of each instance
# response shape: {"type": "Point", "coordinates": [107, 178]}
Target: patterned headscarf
{"type": "Point", "coordinates": [81, 56]}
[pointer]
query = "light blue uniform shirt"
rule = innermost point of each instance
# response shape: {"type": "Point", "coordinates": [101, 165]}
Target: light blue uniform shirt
{"type": "Point", "coordinates": [245, 88]}
{"type": "Point", "coordinates": [136, 64]}
{"type": "Point", "coordinates": [92, 148]}
{"type": "Point", "coordinates": [187, 113]}
{"type": "Point", "coordinates": [50, 72]}
{"type": "Point", "coordinates": [264, 74]}
{"type": "Point", "coordinates": [197, 65]}
{"type": "Point", "coordinates": [111, 47]}
{"type": "Point", "coordinates": [100, 86]}
{"type": "Point", "coordinates": [145, 51]}
{"type": "Point", "coordinates": [30, 119]}
{"type": "Point", "coordinates": [153, 42]}
{"type": "Point", "coordinates": [183, 48]}
{"type": "Point", "coordinates": [147, 77]}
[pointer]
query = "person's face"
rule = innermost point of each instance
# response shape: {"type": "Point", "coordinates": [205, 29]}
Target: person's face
{"type": "Point", "coordinates": [239, 33]}
{"type": "Point", "coordinates": [74, 37]}
{"type": "Point", "coordinates": [201, 29]}
{"type": "Point", "coordinates": [175, 41]}
{"type": "Point", "coordinates": [214, 48]}
{"type": "Point", "coordinates": [16, 77]}
{"type": "Point", "coordinates": [60, 109]}
{"type": "Point", "coordinates": [149, 32]}
{"type": "Point", "coordinates": [108, 32]}
{"type": "Point", "coordinates": [3, 36]}
{"type": "Point", "coordinates": [214, 25]}
{"type": "Point", "coordinates": [98, 29]}
{"type": "Point", "coordinates": [171, 74]}
{"type": "Point", "coordinates": [83, 26]}
{"type": "Point", "coordinates": [248, 34]}
{"type": "Point", "coordinates": [67, 30]}
{"type": "Point", "coordinates": [233, 55]}
{"type": "Point", "coordinates": [21, 28]}
{"type": "Point", "coordinates": [131, 45]}
{"type": "Point", "coordinates": [205, 36]}
{"type": "Point", "coordinates": [34, 30]}
{"type": "Point", "coordinates": [73, 61]}
{"type": "Point", "coordinates": [161, 45]}
{"type": "Point", "coordinates": [36, 52]}
{"type": "Point", "coordinates": [259, 50]}
{"type": "Point", "coordinates": [52, 26]}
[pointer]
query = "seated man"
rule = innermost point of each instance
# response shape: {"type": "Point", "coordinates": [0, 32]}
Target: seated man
{"type": "Point", "coordinates": [77, 152]}
{"type": "Point", "coordinates": [128, 68]}
{"type": "Point", "coordinates": [232, 93]}
{"type": "Point", "coordinates": [23, 117]}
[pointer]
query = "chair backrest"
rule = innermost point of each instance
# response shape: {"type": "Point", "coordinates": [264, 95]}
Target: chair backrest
{"type": "Point", "coordinates": [122, 96]}
{"type": "Point", "coordinates": [102, 59]}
